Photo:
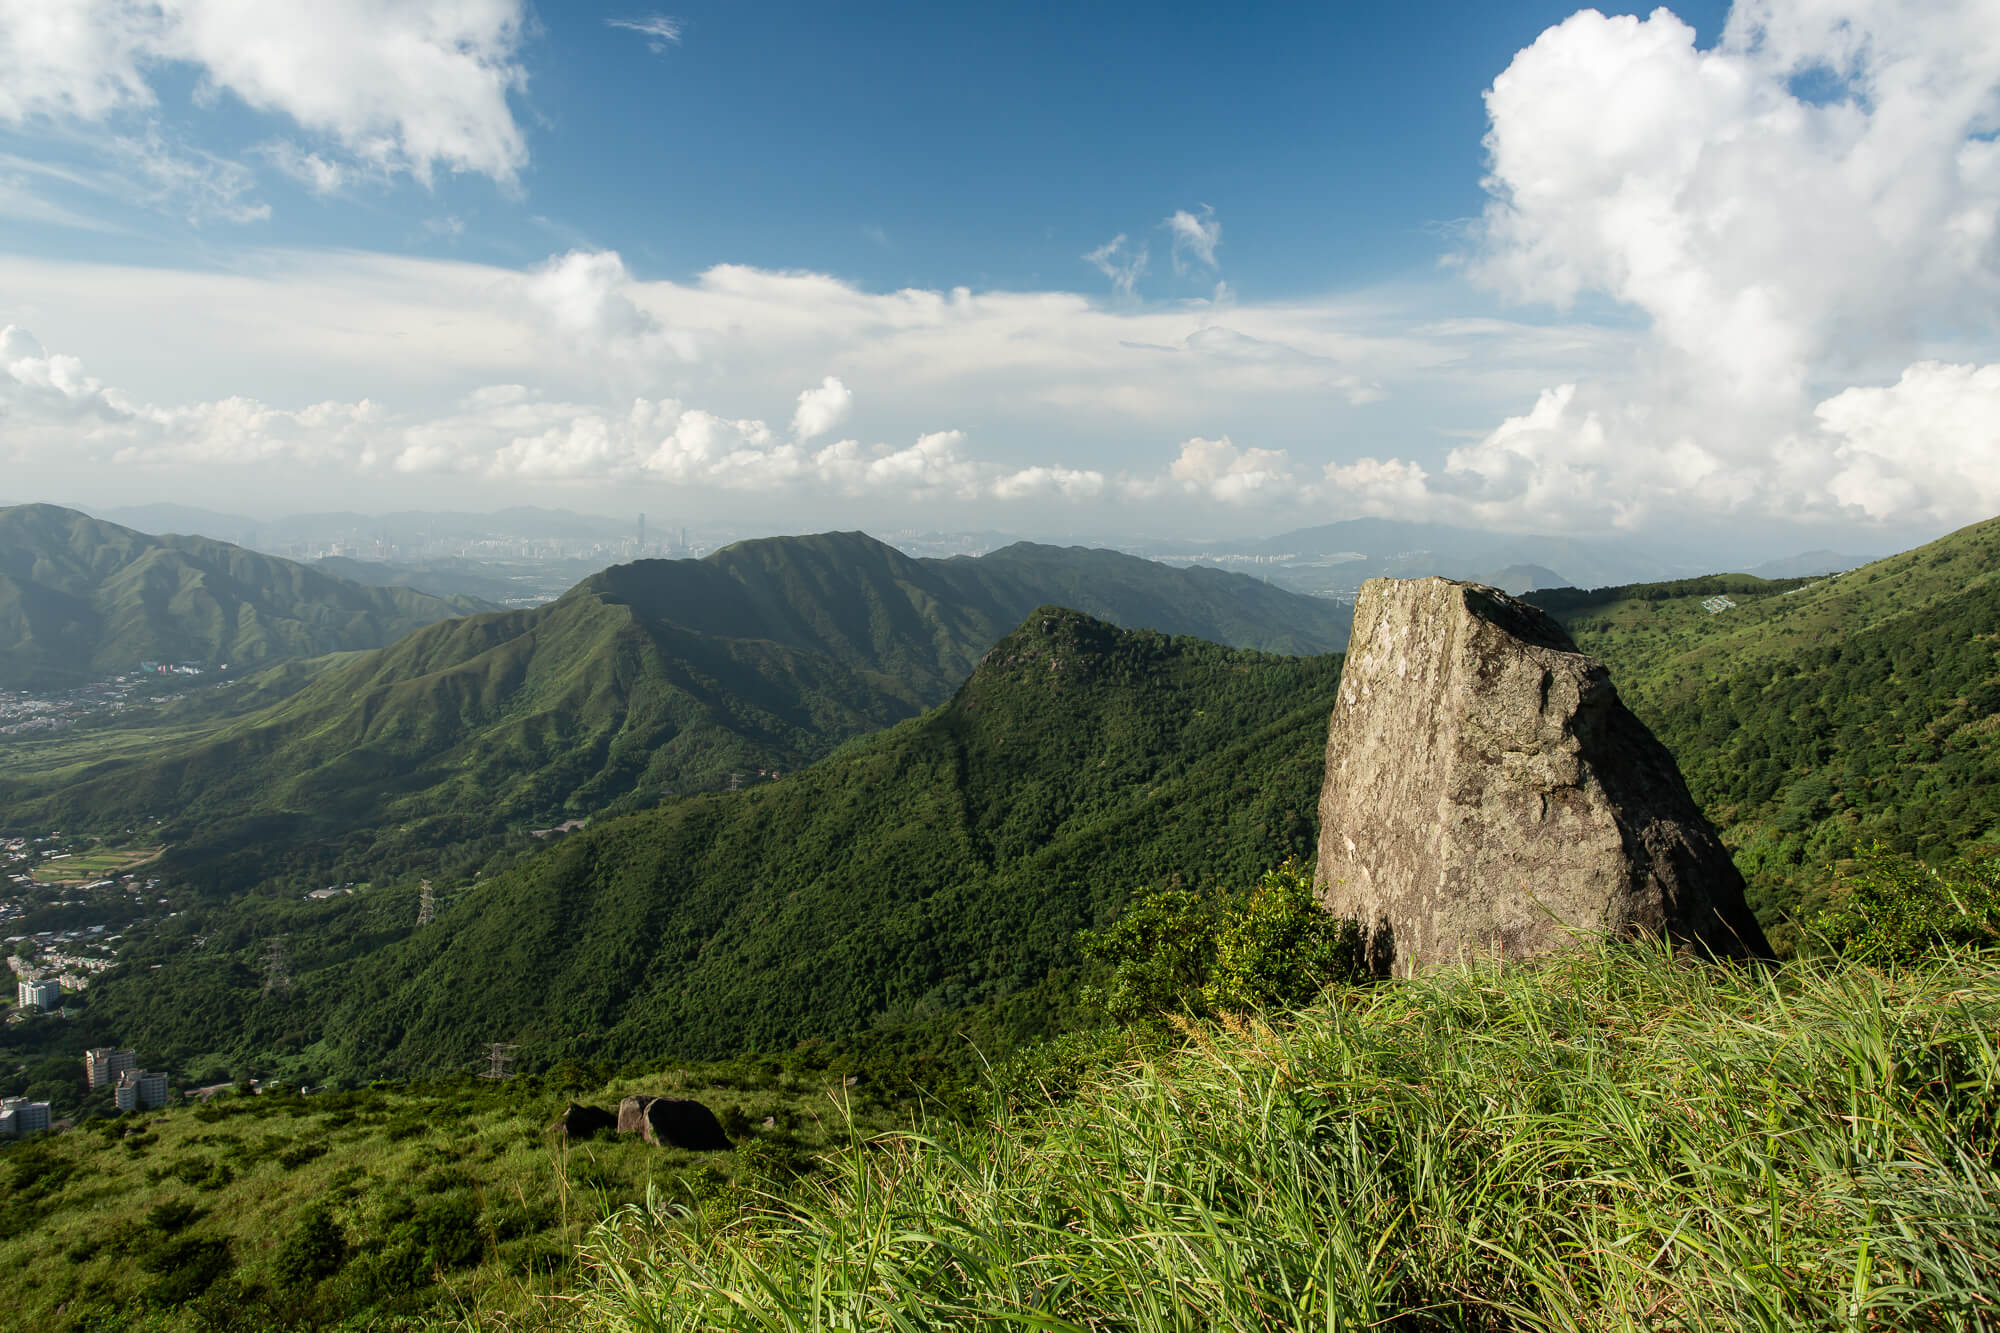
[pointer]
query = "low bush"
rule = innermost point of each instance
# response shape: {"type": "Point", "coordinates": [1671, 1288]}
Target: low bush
{"type": "Point", "coordinates": [1893, 910]}
{"type": "Point", "coordinates": [1178, 952]}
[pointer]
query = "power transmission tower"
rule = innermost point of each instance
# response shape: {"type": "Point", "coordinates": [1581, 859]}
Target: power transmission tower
{"type": "Point", "coordinates": [499, 1055]}
{"type": "Point", "coordinates": [426, 905]}
{"type": "Point", "coordinates": [277, 974]}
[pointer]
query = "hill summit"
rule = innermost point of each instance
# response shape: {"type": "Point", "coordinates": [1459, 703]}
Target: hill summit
{"type": "Point", "coordinates": [81, 599]}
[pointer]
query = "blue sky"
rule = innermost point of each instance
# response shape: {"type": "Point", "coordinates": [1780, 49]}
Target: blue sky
{"type": "Point", "coordinates": [1516, 265]}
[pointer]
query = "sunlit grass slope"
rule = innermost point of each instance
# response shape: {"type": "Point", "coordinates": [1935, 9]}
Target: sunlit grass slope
{"type": "Point", "coordinates": [1609, 1141]}
{"type": "Point", "coordinates": [374, 1208]}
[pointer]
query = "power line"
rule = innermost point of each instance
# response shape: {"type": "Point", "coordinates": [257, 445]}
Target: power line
{"type": "Point", "coordinates": [499, 1055]}
{"type": "Point", "coordinates": [277, 973]}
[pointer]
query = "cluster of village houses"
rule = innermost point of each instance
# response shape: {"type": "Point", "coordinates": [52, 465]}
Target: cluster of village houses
{"type": "Point", "coordinates": [69, 957]}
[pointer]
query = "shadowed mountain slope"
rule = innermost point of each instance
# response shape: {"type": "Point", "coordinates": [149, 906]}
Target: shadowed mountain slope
{"type": "Point", "coordinates": [81, 599]}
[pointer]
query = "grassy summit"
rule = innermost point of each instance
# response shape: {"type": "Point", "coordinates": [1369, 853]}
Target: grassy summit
{"type": "Point", "coordinates": [1609, 1141]}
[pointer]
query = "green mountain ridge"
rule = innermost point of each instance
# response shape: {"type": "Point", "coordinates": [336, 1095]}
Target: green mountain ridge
{"type": "Point", "coordinates": [1815, 716]}
{"type": "Point", "coordinates": [929, 878]}
{"type": "Point", "coordinates": [647, 680]}
{"type": "Point", "coordinates": [939, 868]}
{"type": "Point", "coordinates": [81, 599]}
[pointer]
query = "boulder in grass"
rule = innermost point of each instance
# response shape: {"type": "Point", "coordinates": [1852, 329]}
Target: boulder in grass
{"type": "Point", "coordinates": [1488, 795]}
{"type": "Point", "coordinates": [632, 1115]}
{"type": "Point", "coordinates": [580, 1122]}
{"type": "Point", "coordinates": [673, 1122]}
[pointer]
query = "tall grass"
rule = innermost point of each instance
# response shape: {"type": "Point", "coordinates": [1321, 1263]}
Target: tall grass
{"type": "Point", "coordinates": [1613, 1140]}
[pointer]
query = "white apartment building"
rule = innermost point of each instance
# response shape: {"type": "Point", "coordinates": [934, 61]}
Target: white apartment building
{"type": "Point", "coordinates": [140, 1090]}
{"type": "Point", "coordinates": [43, 994]}
{"type": "Point", "coordinates": [20, 1116]}
{"type": "Point", "coordinates": [103, 1064]}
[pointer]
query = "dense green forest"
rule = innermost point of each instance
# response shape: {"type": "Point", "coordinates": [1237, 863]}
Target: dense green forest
{"type": "Point", "coordinates": [940, 867]}
{"type": "Point", "coordinates": [81, 599]}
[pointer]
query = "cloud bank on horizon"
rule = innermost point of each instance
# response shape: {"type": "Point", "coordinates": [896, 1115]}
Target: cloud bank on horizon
{"type": "Point", "coordinates": [1754, 278]}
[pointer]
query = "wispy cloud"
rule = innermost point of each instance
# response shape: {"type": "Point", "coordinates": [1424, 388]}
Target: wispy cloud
{"type": "Point", "coordinates": [1195, 238]}
{"type": "Point", "coordinates": [659, 30]}
{"type": "Point", "coordinates": [1124, 267]}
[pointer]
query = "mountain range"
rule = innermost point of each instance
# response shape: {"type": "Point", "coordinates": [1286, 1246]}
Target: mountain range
{"type": "Point", "coordinates": [1334, 559]}
{"type": "Point", "coordinates": [938, 868]}
{"type": "Point", "coordinates": [82, 599]}
{"type": "Point", "coordinates": [649, 679]}
{"type": "Point", "coordinates": [927, 879]}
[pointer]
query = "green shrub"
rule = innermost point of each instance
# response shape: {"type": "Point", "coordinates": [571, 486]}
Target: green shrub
{"type": "Point", "coordinates": [186, 1267]}
{"type": "Point", "coordinates": [1280, 948]}
{"type": "Point", "coordinates": [171, 1215]}
{"type": "Point", "coordinates": [1894, 910]}
{"type": "Point", "coordinates": [1179, 952]}
{"type": "Point", "coordinates": [295, 1157]}
{"type": "Point", "coordinates": [316, 1249]}
{"type": "Point", "coordinates": [1161, 953]}
{"type": "Point", "coordinates": [1052, 1070]}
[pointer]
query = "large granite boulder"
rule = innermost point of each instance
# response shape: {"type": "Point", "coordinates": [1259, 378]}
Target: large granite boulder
{"type": "Point", "coordinates": [673, 1122]}
{"type": "Point", "coordinates": [1488, 795]}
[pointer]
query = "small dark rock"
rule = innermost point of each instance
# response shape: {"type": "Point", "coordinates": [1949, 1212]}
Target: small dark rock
{"type": "Point", "coordinates": [580, 1122]}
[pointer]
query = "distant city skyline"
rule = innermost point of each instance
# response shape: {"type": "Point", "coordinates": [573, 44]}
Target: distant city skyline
{"type": "Point", "coordinates": [1715, 275]}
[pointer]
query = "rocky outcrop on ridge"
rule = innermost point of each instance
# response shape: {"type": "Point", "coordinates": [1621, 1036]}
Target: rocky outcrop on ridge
{"type": "Point", "coordinates": [1488, 795]}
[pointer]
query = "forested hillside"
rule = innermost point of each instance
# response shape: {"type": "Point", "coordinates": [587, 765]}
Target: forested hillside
{"type": "Point", "coordinates": [647, 680]}
{"type": "Point", "coordinates": [1815, 717]}
{"type": "Point", "coordinates": [81, 599]}
{"type": "Point", "coordinates": [920, 882]}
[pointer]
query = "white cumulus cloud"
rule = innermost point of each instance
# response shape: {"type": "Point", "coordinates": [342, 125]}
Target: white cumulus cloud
{"type": "Point", "coordinates": [1928, 445]}
{"type": "Point", "coordinates": [821, 409]}
{"type": "Point", "coordinates": [1224, 471]}
{"type": "Point", "coordinates": [1804, 204]}
{"type": "Point", "coordinates": [402, 85]}
{"type": "Point", "coordinates": [49, 402]}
